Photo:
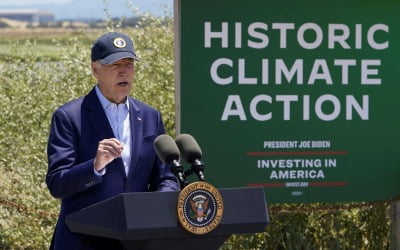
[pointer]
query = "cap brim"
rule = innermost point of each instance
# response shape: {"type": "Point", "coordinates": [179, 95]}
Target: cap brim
{"type": "Point", "coordinates": [118, 56]}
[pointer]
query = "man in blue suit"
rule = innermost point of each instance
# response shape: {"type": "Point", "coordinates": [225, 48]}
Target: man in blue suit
{"type": "Point", "coordinates": [101, 145]}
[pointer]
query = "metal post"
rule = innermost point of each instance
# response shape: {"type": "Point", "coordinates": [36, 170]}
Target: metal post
{"type": "Point", "coordinates": [395, 226]}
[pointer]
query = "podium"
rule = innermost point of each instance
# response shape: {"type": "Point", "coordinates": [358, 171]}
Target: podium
{"type": "Point", "coordinates": [148, 220]}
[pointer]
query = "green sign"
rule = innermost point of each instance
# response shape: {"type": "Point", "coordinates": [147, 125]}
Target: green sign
{"type": "Point", "coordinates": [300, 97]}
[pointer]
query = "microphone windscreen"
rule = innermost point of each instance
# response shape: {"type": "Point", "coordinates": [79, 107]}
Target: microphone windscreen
{"type": "Point", "coordinates": [188, 147]}
{"type": "Point", "coordinates": [166, 148]}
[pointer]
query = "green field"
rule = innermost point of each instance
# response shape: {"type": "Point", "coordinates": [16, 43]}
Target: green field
{"type": "Point", "coordinates": [43, 50]}
{"type": "Point", "coordinates": [46, 45]}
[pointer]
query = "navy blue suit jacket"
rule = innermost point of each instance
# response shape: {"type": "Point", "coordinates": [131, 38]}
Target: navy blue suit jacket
{"type": "Point", "coordinates": [75, 131]}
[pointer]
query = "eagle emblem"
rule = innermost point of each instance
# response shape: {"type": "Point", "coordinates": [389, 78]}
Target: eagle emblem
{"type": "Point", "coordinates": [200, 210]}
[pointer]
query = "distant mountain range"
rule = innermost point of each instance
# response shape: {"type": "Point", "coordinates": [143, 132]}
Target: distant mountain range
{"type": "Point", "coordinates": [95, 9]}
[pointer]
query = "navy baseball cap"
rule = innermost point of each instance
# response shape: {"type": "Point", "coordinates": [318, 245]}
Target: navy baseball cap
{"type": "Point", "coordinates": [113, 46]}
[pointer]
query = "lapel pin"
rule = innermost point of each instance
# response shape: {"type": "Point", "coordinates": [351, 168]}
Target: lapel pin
{"type": "Point", "coordinates": [139, 119]}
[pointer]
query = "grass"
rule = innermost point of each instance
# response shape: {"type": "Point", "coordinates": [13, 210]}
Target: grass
{"type": "Point", "coordinates": [47, 43]}
{"type": "Point", "coordinates": [43, 50]}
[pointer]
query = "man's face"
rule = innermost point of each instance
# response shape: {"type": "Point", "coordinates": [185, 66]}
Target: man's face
{"type": "Point", "coordinates": [115, 80]}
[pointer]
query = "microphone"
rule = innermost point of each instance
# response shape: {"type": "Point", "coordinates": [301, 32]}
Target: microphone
{"type": "Point", "coordinates": [168, 152]}
{"type": "Point", "coordinates": [191, 152]}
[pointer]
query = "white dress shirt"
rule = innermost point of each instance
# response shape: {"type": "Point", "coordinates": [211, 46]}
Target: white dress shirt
{"type": "Point", "coordinates": [118, 117]}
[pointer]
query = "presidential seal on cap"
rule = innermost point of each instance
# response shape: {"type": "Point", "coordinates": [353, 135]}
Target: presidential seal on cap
{"type": "Point", "coordinates": [200, 207]}
{"type": "Point", "coordinates": [111, 47]}
{"type": "Point", "coordinates": [119, 42]}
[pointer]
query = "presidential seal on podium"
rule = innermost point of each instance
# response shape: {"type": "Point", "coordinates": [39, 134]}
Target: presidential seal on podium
{"type": "Point", "coordinates": [200, 207]}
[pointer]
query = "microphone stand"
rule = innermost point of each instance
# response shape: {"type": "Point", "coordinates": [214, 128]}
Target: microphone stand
{"type": "Point", "coordinates": [198, 168]}
{"type": "Point", "coordinates": [177, 170]}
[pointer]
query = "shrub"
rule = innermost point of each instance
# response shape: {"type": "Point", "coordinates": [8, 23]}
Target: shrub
{"type": "Point", "coordinates": [31, 88]}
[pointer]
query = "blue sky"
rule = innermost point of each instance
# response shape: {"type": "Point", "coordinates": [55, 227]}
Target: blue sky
{"type": "Point", "coordinates": [33, 2]}
{"type": "Point", "coordinates": [77, 9]}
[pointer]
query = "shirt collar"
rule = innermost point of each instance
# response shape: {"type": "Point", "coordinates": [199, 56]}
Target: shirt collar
{"type": "Point", "coordinates": [105, 103]}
